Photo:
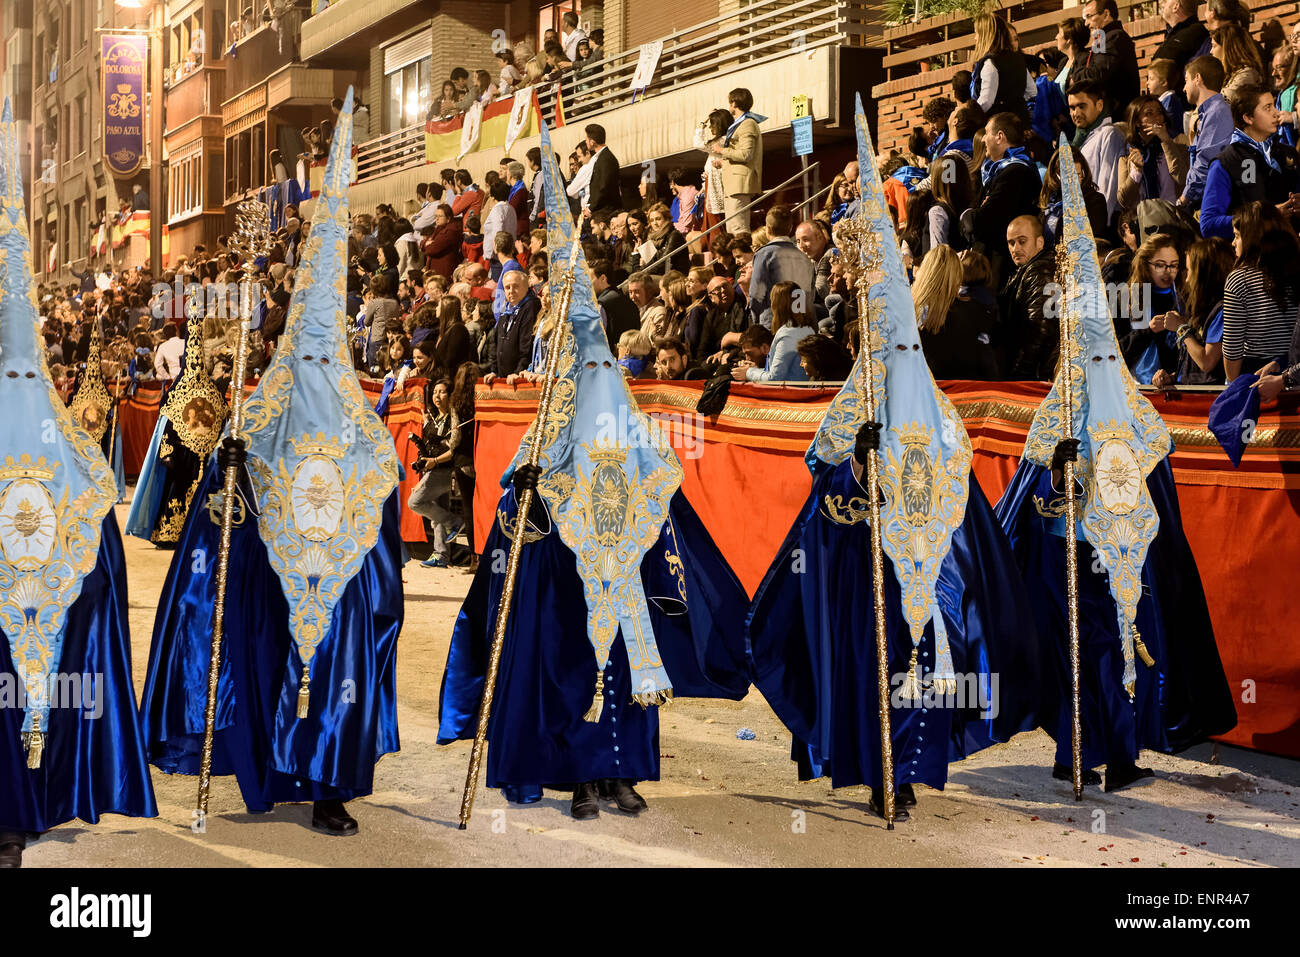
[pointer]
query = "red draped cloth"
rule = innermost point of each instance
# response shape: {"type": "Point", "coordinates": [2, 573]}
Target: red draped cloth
{"type": "Point", "coordinates": [745, 476]}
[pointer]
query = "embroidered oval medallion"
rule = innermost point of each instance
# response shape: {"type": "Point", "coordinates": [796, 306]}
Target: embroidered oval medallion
{"type": "Point", "coordinates": [317, 498]}
{"type": "Point", "coordinates": [28, 525]}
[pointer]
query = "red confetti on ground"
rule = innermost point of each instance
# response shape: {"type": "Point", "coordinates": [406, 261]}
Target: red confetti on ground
{"type": "Point", "coordinates": [1034, 818]}
{"type": "Point", "coordinates": [1182, 853]}
{"type": "Point", "coordinates": [1102, 849]}
{"type": "Point", "coordinates": [1209, 817]}
{"type": "Point", "coordinates": [1069, 820]}
{"type": "Point", "coordinates": [1134, 860]}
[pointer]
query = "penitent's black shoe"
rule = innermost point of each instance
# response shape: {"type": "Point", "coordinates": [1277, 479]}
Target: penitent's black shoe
{"type": "Point", "coordinates": [585, 804]}
{"type": "Point", "coordinates": [331, 817]}
{"type": "Point", "coordinates": [877, 805]}
{"type": "Point", "coordinates": [11, 849]}
{"type": "Point", "coordinates": [1063, 773]}
{"type": "Point", "coordinates": [621, 791]}
{"type": "Point", "coordinates": [905, 796]}
{"type": "Point", "coordinates": [1124, 775]}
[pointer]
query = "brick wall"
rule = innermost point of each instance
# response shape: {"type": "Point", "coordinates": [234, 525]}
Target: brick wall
{"type": "Point", "coordinates": [898, 102]}
{"type": "Point", "coordinates": [614, 26]}
{"type": "Point", "coordinates": [462, 35]}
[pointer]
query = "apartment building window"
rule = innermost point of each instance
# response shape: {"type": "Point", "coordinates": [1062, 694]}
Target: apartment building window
{"type": "Point", "coordinates": [188, 45]}
{"type": "Point", "coordinates": [66, 257]}
{"type": "Point", "coordinates": [82, 120]}
{"type": "Point", "coordinates": [408, 79]}
{"type": "Point", "coordinates": [551, 15]}
{"type": "Point", "coordinates": [185, 186]}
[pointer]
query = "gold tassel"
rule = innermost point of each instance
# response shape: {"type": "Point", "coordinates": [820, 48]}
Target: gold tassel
{"type": "Point", "coordinates": [35, 742]}
{"type": "Point", "coordinates": [304, 694]}
{"type": "Point", "coordinates": [911, 686]}
{"type": "Point", "coordinates": [597, 701]}
{"type": "Point", "coordinates": [1140, 647]}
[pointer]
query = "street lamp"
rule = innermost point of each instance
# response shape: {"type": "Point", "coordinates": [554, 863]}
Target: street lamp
{"type": "Point", "coordinates": [156, 206]}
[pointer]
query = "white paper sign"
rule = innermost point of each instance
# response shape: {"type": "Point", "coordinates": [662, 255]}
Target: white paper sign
{"type": "Point", "coordinates": [646, 64]}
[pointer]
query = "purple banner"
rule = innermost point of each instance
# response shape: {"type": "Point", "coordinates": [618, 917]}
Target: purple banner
{"type": "Point", "coordinates": [123, 63]}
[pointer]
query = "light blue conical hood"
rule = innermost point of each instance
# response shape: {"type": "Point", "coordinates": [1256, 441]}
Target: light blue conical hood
{"type": "Point", "coordinates": [55, 485]}
{"type": "Point", "coordinates": [925, 453]}
{"type": "Point", "coordinates": [608, 475]}
{"type": "Point", "coordinates": [1121, 436]}
{"type": "Point", "coordinates": [321, 461]}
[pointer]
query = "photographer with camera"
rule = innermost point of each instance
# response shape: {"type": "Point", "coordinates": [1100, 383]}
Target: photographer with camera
{"type": "Point", "coordinates": [437, 445]}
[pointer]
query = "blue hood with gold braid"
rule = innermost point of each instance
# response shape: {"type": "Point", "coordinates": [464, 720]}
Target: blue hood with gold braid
{"type": "Point", "coordinates": [607, 474]}
{"type": "Point", "coordinates": [925, 453]}
{"type": "Point", "coordinates": [321, 462]}
{"type": "Point", "coordinates": [1121, 436]}
{"type": "Point", "coordinates": [55, 485]}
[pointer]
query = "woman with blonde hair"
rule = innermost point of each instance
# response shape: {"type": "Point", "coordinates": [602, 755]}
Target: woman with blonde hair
{"type": "Point", "coordinates": [789, 328]}
{"type": "Point", "coordinates": [533, 73]}
{"type": "Point", "coordinates": [955, 333]}
{"type": "Point", "coordinates": [1000, 79]}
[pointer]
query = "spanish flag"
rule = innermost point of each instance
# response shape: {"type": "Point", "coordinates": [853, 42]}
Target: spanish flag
{"type": "Point", "coordinates": [442, 137]}
{"type": "Point", "coordinates": [559, 108]}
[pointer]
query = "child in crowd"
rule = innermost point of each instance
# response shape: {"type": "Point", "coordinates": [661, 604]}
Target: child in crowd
{"type": "Point", "coordinates": [1159, 76]}
{"type": "Point", "coordinates": [633, 352]}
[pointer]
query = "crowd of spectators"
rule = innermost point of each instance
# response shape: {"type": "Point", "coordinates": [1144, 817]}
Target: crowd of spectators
{"type": "Point", "coordinates": [568, 58]}
{"type": "Point", "coordinates": [1192, 187]}
{"type": "Point", "coordinates": [1191, 182]}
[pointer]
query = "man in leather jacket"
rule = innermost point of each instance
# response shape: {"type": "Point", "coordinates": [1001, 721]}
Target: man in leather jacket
{"type": "Point", "coordinates": [1028, 305]}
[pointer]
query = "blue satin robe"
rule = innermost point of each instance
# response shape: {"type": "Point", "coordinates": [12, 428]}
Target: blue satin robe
{"type": "Point", "coordinates": [1181, 699]}
{"type": "Point", "coordinates": [536, 735]}
{"type": "Point", "coordinates": [91, 766]}
{"type": "Point", "coordinates": [146, 503]}
{"type": "Point", "coordinates": [813, 647]}
{"type": "Point", "coordinates": [331, 754]}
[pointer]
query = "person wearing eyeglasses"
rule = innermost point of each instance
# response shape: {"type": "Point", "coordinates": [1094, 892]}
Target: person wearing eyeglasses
{"type": "Point", "coordinates": [1155, 303]}
{"type": "Point", "coordinates": [1111, 55]}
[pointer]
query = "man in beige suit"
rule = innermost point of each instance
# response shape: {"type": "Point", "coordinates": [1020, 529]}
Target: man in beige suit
{"type": "Point", "coordinates": [740, 155]}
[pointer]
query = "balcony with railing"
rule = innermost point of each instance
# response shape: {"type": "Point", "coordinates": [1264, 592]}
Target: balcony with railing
{"type": "Point", "coordinates": [775, 48]}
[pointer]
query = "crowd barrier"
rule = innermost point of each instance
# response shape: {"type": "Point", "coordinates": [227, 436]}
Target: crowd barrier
{"type": "Point", "coordinates": [745, 476]}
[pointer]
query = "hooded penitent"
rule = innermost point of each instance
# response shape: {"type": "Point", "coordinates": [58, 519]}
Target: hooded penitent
{"type": "Point", "coordinates": [610, 545]}
{"type": "Point", "coordinates": [55, 485]}
{"type": "Point", "coordinates": [953, 605]}
{"type": "Point", "coordinates": [189, 426]}
{"type": "Point", "coordinates": [607, 479]}
{"type": "Point", "coordinates": [91, 406]}
{"type": "Point", "coordinates": [925, 453]}
{"type": "Point", "coordinates": [320, 494]}
{"type": "Point", "coordinates": [1121, 436]}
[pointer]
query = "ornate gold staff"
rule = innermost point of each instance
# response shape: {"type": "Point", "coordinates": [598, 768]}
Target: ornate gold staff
{"type": "Point", "coordinates": [112, 422]}
{"type": "Point", "coordinates": [1071, 518]}
{"type": "Point", "coordinates": [856, 233]}
{"type": "Point", "coordinates": [252, 239]}
{"type": "Point", "coordinates": [561, 297]}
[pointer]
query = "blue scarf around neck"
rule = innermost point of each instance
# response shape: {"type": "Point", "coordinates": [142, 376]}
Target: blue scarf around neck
{"type": "Point", "coordinates": [990, 168]}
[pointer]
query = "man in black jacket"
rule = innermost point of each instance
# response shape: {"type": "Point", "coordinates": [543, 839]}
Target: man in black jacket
{"type": "Point", "coordinates": [515, 326]}
{"type": "Point", "coordinates": [1184, 37]}
{"type": "Point", "coordinates": [620, 312]}
{"type": "Point", "coordinates": [605, 195]}
{"type": "Point", "coordinates": [1028, 306]}
{"type": "Point", "coordinates": [1010, 185]}
{"type": "Point", "coordinates": [1112, 57]}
